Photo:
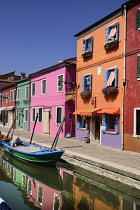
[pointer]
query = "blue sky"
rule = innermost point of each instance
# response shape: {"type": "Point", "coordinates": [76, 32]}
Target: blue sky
{"type": "Point", "coordinates": [36, 34]}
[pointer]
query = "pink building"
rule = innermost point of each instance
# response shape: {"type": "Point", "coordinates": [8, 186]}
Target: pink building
{"type": "Point", "coordinates": [52, 96]}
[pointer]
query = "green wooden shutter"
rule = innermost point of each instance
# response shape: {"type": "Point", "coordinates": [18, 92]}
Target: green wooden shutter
{"type": "Point", "coordinates": [138, 66]}
{"type": "Point", "coordinates": [40, 114]}
{"type": "Point", "coordinates": [138, 19]}
{"type": "Point", "coordinates": [59, 114]}
{"type": "Point", "coordinates": [43, 86]}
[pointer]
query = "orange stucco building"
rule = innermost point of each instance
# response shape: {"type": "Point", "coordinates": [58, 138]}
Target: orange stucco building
{"type": "Point", "coordinates": [100, 74]}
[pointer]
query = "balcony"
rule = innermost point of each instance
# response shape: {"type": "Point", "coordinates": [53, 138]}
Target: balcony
{"type": "Point", "coordinates": [70, 95]}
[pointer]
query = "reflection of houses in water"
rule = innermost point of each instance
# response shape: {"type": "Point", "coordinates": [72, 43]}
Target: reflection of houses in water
{"type": "Point", "coordinates": [42, 195]}
{"type": "Point", "coordinates": [79, 194]}
{"type": "Point", "coordinates": [36, 193]}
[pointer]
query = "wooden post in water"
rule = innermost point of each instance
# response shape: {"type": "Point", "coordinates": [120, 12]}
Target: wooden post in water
{"type": "Point", "coordinates": [34, 128]}
{"type": "Point", "coordinates": [57, 135]}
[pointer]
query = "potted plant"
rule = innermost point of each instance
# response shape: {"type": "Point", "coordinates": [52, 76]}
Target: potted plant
{"type": "Point", "coordinates": [111, 44]}
{"type": "Point", "coordinates": [86, 53]}
{"type": "Point", "coordinates": [85, 94]}
{"type": "Point", "coordinates": [109, 90]}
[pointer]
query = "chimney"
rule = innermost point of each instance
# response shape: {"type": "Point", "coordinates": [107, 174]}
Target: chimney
{"type": "Point", "coordinates": [22, 75]}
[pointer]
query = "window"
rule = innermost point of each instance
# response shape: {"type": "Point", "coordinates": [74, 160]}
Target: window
{"type": "Point", "coordinates": [39, 114]}
{"type": "Point", "coordinates": [33, 114]}
{"type": "Point", "coordinates": [18, 90]}
{"type": "Point", "coordinates": [26, 115]}
{"type": "Point", "coordinates": [111, 77]}
{"type": "Point", "coordinates": [112, 32]}
{"type": "Point", "coordinates": [88, 45]}
{"type": "Point", "coordinates": [138, 19]}
{"type": "Point", "coordinates": [43, 87]}
{"type": "Point", "coordinates": [136, 121]}
{"type": "Point", "coordinates": [138, 66]}
{"type": "Point", "coordinates": [111, 122]}
{"type": "Point", "coordinates": [58, 115]}
{"type": "Point", "coordinates": [60, 83]}
{"type": "Point", "coordinates": [11, 95]}
{"type": "Point", "coordinates": [27, 92]}
{"type": "Point", "coordinates": [7, 97]}
{"type": "Point", "coordinates": [2, 98]}
{"type": "Point", "coordinates": [33, 89]}
{"type": "Point", "coordinates": [81, 122]}
{"type": "Point", "coordinates": [17, 111]}
{"type": "Point", "coordinates": [40, 195]}
{"type": "Point", "coordinates": [87, 82]}
{"type": "Point", "coordinates": [14, 95]}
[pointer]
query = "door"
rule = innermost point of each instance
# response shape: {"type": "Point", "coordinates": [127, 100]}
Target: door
{"type": "Point", "coordinates": [46, 121]}
{"type": "Point", "coordinates": [97, 128]}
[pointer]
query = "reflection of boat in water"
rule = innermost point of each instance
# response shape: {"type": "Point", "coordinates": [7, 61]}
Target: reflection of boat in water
{"type": "Point", "coordinates": [48, 176]}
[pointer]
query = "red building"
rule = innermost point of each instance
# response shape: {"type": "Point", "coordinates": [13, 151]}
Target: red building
{"type": "Point", "coordinates": [132, 78]}
{"type": "Point", "coordinates": [8, 104]}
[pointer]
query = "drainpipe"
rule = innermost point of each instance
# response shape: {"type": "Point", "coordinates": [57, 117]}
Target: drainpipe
{"type": "Point", "coordinates": [124, 77]}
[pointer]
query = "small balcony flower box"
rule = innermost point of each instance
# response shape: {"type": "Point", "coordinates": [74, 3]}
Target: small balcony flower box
{"type": "Point", "coordinates": [111, 44]}
{"type": "Point", "coordinates": [86, 54]}
{"type": "Point", "coordinates": [85, 94]}
{"type": "Point", "coordinates": [109, 90]}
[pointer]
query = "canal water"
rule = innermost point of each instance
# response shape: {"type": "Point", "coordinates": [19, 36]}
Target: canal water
{"type": "Point", "coordinates": [28, 186]}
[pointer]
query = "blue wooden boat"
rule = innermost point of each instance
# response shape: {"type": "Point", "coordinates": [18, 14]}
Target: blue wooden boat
{"type": "Point", "coordinates": [33, 153]}
{"type": "Point", "coordinates": [4, 205]}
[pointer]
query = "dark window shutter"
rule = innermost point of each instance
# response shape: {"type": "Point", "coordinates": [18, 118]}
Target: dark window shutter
{"type": "Point", "coordinates": [137, 122]}
{"type": "Point", "coordinates": [84, 45]}
{"type": "Point", "coordinates": [138, 66]}
{"type": "Point", "coordinates": [106, 76]}
{"type": "Point", "coordinates": [59, 114]}
{"type": "Point", "coordinates": [117, 31]}
{"type": "Point", "coordinates": [83, 83]}
{"type": "Point", "coordinates": [107, 31]}
{"type": "Point", "coordinates": [116, 77]}
{"type": "Point", "coordinates": [138, 19]}
{"type": "Point", "coordinates": [40, 115]}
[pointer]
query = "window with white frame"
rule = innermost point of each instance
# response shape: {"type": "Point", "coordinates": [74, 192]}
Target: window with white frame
{"type": "Point", "coordinates": [87, 82]}
{"type": "Point", "coordinates": [2, 98]}
{"type": "Point", "coordinates": [111, 77]}
{"type": "Point", "coordinates": [18, 91]}
{"type": "Point", "coordinates": [40, 114]}
{"type": "Point", "coordinates": [112, 32]}
{"type": "Point", "coordinates": [40, 195]}
{"type": "Point", "coordinates": [11, 95]}
{"type": "Point", "coordinates": [7, 97]}
{"type": "Point", "coordinates": [58, 114]}
{"type": "Point", "coordinates": [60, 83]}
{"type": "Point", "coordinates": [33, 114]}
{"type": "Point", "coordinates": [33, 89]}
{"type": "Point", "coordinates": [136, 122]}
{"type": "Point", "coordinates": [87, 45]}
{"type": "Point", "coordinates": [14, 98]}
{"type": "Point", "coordinates": [43, 87]}
{"type": "Point", "coordinates": [26, 115]}
{"type": "Point", "coordinates": [27, 92]}
{"type": "Point", "coordinates": [138, 19]}
{"type": "Point", "coordinates": [138, 66]}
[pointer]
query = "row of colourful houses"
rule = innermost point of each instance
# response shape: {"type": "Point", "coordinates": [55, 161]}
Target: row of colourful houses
{"type": "Point", "coordinates": [98, 90]}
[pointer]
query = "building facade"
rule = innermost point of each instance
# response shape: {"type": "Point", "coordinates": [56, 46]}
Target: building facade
{"type": "Point", "coordinates": [99, 73]}
{"type": "Point", "coordinates": [52, 97]}
{"type": "Point", "coordinates": [132, 80]}
{"type": "Point", "coordinates": [7, 109]}
{"type": "Point", "coordinates": [22, 104]}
